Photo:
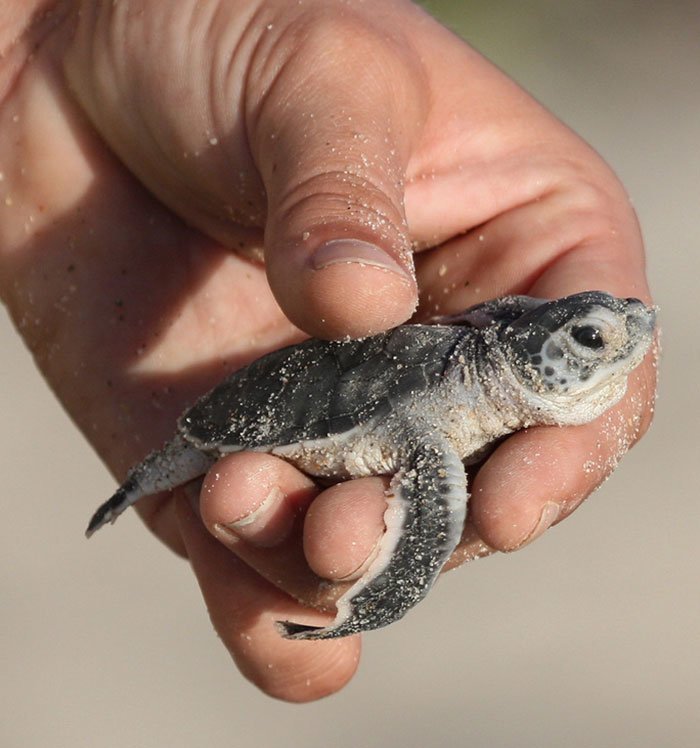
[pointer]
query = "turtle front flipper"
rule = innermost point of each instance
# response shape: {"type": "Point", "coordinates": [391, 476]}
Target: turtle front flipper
{"type": "Point", "coordinates": [177, 463]}
{"type": "Point", "coordinates": [424, 522]}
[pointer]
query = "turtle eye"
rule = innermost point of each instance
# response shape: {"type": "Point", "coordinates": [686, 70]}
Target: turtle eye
{"type": "Point", "coordinates": [588, 336]}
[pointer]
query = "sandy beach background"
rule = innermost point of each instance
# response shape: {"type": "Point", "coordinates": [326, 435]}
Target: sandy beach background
{"type": "Point", "coordinates": [589, 637]}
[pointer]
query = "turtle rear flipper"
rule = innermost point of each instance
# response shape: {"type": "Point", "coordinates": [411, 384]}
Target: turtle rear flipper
{"type": "Point", "coordinates": [424, 522]}
{"type": "Point", "coordinates": [175, 464]}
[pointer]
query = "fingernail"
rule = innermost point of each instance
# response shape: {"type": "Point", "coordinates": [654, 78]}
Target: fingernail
{"type": "Point", "coordinates": [362, 568]}
{"type": "Point", "coordinates": [548, 515]}
{"type": "Point", "coordinates": [339, 251]}
{"type": "Point", "coordinates": [272, 498]}
{"type": "Point", "coordinates": [262, 526]}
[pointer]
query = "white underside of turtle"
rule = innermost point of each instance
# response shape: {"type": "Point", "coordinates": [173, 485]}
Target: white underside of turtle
{"type": "Point", "coordinates": [417, 403]}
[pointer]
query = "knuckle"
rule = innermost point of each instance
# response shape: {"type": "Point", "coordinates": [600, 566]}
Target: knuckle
{"type": "Point", "coordinates": [333, 38]}
{"type": "Point", "coordinates": [347, 55]}
{"type": "Point", "coordinates": [340, 197]}
{"type": "Point", "coordinates": [593, 190]}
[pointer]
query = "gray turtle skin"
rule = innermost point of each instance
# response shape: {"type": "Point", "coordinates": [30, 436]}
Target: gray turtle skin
{"type": "Point", "coordinates": [418, 403]}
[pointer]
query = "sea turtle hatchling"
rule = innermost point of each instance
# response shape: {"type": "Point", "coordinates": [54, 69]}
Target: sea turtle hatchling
{"type": "Point", "coordinates": [417, 402]}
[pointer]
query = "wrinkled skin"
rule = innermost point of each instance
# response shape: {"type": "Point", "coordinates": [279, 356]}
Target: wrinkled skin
{"type": "Point", "coordinates": [150, 149]}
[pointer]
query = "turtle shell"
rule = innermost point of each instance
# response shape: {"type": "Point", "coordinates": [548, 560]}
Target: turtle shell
{"type": "Point", "coordinates": [319, 388]}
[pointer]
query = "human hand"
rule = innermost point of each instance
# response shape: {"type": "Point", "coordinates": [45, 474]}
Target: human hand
{"type": "Point", "coordinates": [309, 123]}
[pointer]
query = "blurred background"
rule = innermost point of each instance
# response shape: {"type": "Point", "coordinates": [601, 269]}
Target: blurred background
{"type": "Point", "coordinates": [589, 637]}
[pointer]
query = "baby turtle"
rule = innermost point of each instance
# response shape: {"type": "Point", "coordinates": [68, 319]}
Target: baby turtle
{"type": "Point", "coordinates": [417, 402]}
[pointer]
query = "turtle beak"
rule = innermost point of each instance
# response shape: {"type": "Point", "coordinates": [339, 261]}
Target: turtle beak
{"type": "Point", "coordinates": [640, 317]}
{"type": "Point", "coordinates": [641, 324]}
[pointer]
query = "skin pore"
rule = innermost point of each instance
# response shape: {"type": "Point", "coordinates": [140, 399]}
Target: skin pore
{"type": "Point", "coordinates": [150, 152]}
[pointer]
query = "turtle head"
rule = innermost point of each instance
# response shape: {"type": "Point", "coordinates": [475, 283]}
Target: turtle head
{"type": "Point", "coordinates": [573, 354]}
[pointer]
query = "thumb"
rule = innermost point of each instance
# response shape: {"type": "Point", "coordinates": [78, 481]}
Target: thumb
{"type": "Point", "coordinates": [331, 138]}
